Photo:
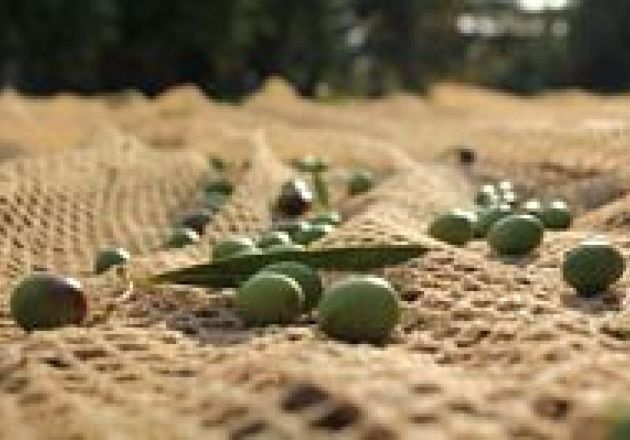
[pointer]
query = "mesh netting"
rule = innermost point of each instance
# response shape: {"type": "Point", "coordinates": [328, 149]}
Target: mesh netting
{"type": "Point", "coordinates": [488, 348]}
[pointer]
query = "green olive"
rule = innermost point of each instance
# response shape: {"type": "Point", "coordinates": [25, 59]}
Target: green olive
{"type": "Point", "coordinates": [360, 181]}
{"type": "Point", "coordinates": [181, 237]}
{"type": "Point", "coordinates": [516, 235]}
{"type": "Point", "coordinates": [454, 227]}
{"type": "Point", "coordinates": [110, 257]}
{"type": "Point", "coordinates": [487, 217]}
{"type": "Point", "coordinates": [593, 266]}
{"type": "Point", "coordinates": [359, 309]}
{"type": "Point", "coordinates": [308, 279]}
{"type": "Point", "coordinates": [556, 215]}
{"type": "Point", "coordinates": [269, 298]}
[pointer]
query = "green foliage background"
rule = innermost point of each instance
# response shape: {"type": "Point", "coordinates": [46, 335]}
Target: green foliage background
{"type": "Point", "coordinates": [355, 47]}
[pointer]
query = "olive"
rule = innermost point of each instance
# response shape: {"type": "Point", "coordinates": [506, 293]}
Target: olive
{"type": "Point", "coordinates": [360, 181]}
{"type": "Point", "coordinates": [487, 217]}
{"type": "Point", "coordinates": [556, 215]}
{"type": "Point", "coordinates": [269, 298]}
{"type": "Point", "coordinates": [455, 227]}
{"type": "Point", "coordinates": [516, 235]}
{"type": "Point", "coordinates": [359, 309]}
{"type": "Point", "coordinates": [181, 237]}
{"type": "Point", "coordinates": [308, 279]}
{"type": "Point", "coordinates": [110, 257]}
{"type": "Point", "coordinates": [45, 301]}
{"type": "Point", "coordinates": [592, 266]}
{"type": "Point", "coordinates": [295, 198]}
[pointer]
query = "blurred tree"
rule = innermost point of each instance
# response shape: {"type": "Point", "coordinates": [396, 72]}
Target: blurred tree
{"type": "Point", "coordinates": [413, 40]}
{"type": "Point", "coordinates": [52, 44]}
{"type": "Point", "coordinates": [600, 44]}
{"type": "Point", "coordinates": [348, 46]}
{"type": "Point", "coordinates": [303, 40]}
{"type": "Point", "coordinates": [165, 42]}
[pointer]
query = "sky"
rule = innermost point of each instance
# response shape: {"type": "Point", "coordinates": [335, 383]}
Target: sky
{"type": "Point", "coordinates": [538, 5]}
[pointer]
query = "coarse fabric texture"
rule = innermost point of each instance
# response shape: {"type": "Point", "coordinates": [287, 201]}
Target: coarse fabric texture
{"type": "Point", "coordinates": [488, 348]}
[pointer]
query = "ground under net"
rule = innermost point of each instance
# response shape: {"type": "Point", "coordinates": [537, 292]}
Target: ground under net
{"type": "Point", "coordinates": [487, 349]}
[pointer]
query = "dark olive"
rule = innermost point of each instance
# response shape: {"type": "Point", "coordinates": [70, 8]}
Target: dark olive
{"type": "Point", "coordinates": [466, 155]}
{"type": "Point", "coordinates": [110, 257]}
{"type": "Point", "coordinates": [295, 198]}
{"type": "Point", "coordinates": [45, 301]}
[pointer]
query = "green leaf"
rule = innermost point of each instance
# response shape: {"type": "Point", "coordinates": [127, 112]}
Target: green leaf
{"type": "Point", "coordinates": [233, 271]}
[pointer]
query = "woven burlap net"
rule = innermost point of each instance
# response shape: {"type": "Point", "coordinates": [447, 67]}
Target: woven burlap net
{"type": "Point", "coordinates": [488, 348]}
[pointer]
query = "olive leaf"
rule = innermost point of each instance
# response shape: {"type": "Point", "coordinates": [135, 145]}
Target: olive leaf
{"type": "Point", "coordinates": [232, 272]}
